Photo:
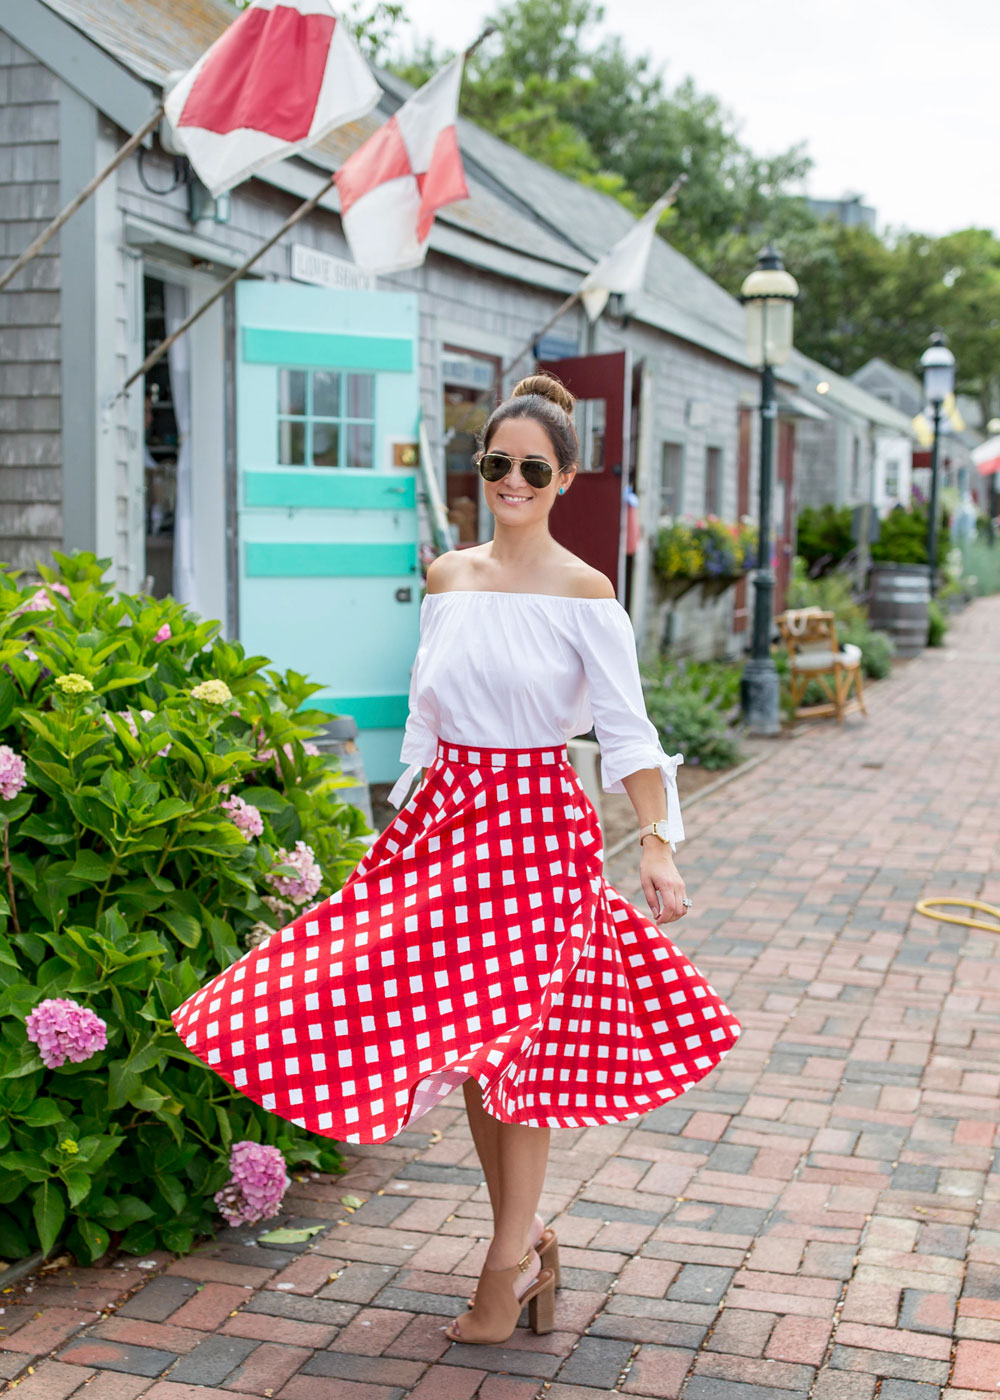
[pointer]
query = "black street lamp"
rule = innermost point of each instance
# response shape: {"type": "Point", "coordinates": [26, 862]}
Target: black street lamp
{"type": "Point", "coordinates": [938, 364]}
{"type": "Point", "coordinates": [769, 295]}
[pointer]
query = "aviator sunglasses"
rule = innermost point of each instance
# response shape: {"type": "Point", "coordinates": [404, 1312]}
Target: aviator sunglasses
{"type": "Point", "coordinates": [494, 466]}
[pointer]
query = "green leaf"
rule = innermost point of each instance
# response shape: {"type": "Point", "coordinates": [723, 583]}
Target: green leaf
{"type": "Point", "coordinates": [91, 867]}
{"type": "Point", "coordinates": [115, 789]}
{"type": "Point", "coordinates": [42, 1113]}
{"type": "Point", "coordinates": [179, 1238]}
{"type": "Point", "coordinates": [30, 1165]}
{"type": "Point", "coordinates": [184, 927]}
{"type": "Point", "coordinates": [78, 1185]}
{"type": "Point", "coordinates": [288, 1235]}
{"type": "Point", "coordinates": [354, 1202]}
{"type": "Point", "coordinates": [49, 1212]}
{"type": "Point", "coordinates": [172, 1192]}
{"type": "Point", "coordinates": [139, 1238]}
{"type": "Point", "coordinates": [8, 699]}
{"type": "Point", "coordinates": [225, 1128]}
{"type": "Point", "coordinates": [7, 957]}
{"type": "Point", "coordinates": [13, 1241]}
{"type": "Point", "coordinates": [89, 1240]}
{"type": "Point", "coordinates": [123, 1211]}
{"type": "Point", "coordinates": [119, 674]}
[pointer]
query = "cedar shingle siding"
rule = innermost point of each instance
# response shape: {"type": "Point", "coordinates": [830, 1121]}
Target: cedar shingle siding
{"type": "Point", "coordinates": [30, 443]}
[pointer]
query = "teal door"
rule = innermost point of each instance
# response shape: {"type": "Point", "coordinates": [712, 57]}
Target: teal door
{"type": "Point", "coordinates": [327, 405]}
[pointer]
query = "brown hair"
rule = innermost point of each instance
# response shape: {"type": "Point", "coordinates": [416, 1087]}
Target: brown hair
{"type": "Point", "coordinates": [545, 399]}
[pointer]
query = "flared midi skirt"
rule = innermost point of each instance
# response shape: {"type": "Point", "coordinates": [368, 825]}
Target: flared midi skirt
{"type": "Point", "coordinates": [477, 938]}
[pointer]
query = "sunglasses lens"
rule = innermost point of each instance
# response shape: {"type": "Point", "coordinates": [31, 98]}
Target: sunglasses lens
{"type": "Point", "coordinates": [536, 473]}
{"type": "Point", "coordinates": [494, 466]}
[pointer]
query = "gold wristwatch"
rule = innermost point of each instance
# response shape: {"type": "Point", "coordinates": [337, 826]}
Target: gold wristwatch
{"type": "Point", "coordinates": [660, 829]}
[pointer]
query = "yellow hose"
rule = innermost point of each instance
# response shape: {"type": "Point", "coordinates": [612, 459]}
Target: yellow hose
{"type": "Point", "coordinates": [924, 907]}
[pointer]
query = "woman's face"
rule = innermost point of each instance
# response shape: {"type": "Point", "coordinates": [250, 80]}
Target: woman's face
{"type": "Point", "coordinates": [513, 501]}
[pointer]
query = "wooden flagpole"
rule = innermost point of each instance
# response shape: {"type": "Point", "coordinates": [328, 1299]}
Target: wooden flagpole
{"type": "Point", "coordinates": [64, 215]}
{"type": "Point", "coordinates": [160, 350]}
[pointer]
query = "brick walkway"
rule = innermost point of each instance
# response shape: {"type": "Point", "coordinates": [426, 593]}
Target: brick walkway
{"type": "Point", "coordinates": [819, 1220]}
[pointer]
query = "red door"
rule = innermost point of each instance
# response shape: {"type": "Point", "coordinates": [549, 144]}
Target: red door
{"type": "Point", "coordinates": [589, 518]}
{"type": "Point", "coordinates": [740, 610]}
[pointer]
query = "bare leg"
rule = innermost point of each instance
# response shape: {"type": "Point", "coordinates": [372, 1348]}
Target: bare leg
{"type": "Point", "coordinates": [513, 1158]}
{"type": "Point", "coordinates": [521, 1160]}
{"type": "Point", "coordinates": [485, 1135]}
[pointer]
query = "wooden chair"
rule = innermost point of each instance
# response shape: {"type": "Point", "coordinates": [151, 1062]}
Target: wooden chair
{"type": "Point", "coordinates": [815, 655]}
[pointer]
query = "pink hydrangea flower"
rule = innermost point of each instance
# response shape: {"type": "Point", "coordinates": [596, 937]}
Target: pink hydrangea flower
{"type": "Point", "coordinates": [268, 755]}
{"type": "Point", "coordinates": [245, 817]}
{"type": "Point", "coordinates": [64, 1030]}
{"type": "Point", "coordinates": [301, 887]}
{"type": "Point", "coordinates": [12, 778]}
{"type": "Point", "coordinates": [40, 600]}
{"type": "Point", "coordinates": [164, 633]}
{"type": "Point", "coordinates": [258, 1183]}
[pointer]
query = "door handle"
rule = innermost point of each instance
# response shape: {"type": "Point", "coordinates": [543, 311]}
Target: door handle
{"type": "Point", "coordinates": [404, 595]}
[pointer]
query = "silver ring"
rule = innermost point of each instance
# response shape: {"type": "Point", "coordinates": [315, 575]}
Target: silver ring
{"type": "Point", "coordinates": [687, 902]}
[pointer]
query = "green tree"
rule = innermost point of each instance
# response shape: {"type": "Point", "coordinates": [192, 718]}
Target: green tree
{"type": "Point", "coordinates": [549, 85]}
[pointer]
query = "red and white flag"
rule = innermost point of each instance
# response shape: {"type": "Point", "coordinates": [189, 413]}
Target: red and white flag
{"type": "Point", "coordinates": [281, 76]}
{"type": "Point", "coordinates": [393, 185]}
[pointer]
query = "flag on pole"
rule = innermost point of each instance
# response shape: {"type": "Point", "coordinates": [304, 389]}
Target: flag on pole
{"type": "Point", "coordinates": [623, 267]}
{"type": "Point", "coordinates": [393, 185]}
{"type": "Point", "coordinates": [987, 456]}
{"type": "Point", "coordinates": [281, 76]}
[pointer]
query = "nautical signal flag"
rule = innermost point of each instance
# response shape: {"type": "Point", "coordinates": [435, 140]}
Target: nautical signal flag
{"type": "Point", "coordinates": [282, 75]}
{"type": "Point", "coordinates": [623, 267]}
{"type": "Point", "coordinates": [393, 185]}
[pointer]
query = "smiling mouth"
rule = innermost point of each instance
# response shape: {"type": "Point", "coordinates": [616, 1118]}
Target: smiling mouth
{"type": "Point", "coordinates": [513, 499]}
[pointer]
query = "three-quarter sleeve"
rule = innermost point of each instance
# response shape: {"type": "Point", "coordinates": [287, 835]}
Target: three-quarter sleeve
{"type": "Point", "coordinates": [628, 738]}
{"type": "Point", "coordinates": [419, 748]}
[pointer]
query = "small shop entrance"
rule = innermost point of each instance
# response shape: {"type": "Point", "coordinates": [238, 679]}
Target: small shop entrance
{"type": "Point", "coordinates": [160, 449]}
{"type": "Point", "coordinates": [467, 381]}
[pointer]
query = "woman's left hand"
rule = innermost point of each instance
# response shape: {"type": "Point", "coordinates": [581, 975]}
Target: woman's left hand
{"type": "Point", "coordinates": [661, 883]}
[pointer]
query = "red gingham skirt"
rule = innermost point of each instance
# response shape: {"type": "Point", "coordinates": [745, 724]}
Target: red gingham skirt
{"type": "Point", "coordinates": [477, 937]}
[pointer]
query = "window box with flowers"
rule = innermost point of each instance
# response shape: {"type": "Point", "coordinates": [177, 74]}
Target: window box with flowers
{"type": "Point", "coordinates": [708, 551]}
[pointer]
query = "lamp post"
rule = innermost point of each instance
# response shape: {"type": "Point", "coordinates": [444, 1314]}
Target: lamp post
{"type": "Point", "coordinates": [938, 364]}
{"type": "Point", "coordinates": [769, 295]}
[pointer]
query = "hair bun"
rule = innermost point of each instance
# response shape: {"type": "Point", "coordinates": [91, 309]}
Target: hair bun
{"type": "Point", "coordinates": [547, 386]}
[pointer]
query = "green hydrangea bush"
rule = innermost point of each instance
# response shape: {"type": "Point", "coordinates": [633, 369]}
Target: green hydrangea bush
{"type": "Point", "coordinates": [162, 808]}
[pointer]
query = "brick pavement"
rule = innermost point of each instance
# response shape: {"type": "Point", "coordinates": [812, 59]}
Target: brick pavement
{"type": "Point", "coordinates": [821, 1219]}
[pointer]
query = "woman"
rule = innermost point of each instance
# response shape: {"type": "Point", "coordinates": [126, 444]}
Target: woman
{"type": "Point", "coordinates": [477, 942]}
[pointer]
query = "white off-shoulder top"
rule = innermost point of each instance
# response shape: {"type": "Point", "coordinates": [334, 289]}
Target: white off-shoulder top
{"type": "Point", "coordinates": [523, 670]}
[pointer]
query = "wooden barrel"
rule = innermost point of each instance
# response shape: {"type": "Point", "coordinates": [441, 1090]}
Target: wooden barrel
{"type": "Point", "coordinates": [898, 604]}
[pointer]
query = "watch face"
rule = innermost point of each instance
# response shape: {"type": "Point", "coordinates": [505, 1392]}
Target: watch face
{"type": "Point", "coordinates": [662, 830]}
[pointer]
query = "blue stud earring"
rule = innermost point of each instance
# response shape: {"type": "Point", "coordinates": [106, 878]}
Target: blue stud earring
{"type": "Point", "coordinates": [561, 490]}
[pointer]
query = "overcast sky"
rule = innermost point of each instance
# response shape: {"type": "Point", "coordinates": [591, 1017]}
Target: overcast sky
{"type": "Point", "coordinates": [896, 100]}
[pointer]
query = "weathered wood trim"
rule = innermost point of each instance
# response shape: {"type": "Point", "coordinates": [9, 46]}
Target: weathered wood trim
{"type": "Point", "coordinates": [77, 148]}
{"type": "Point", "coordinates": [87, 69]}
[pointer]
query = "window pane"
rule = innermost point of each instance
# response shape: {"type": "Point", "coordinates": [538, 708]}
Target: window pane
{"type": "Point", "coordinates": [713, 480]}
{"type": "Point", "coordinates": [360, 444]}
{"type": "Point", "coordinates": [360, 396]}
{"type": "Point", "coordinates": [670, 478]}
{"type": "Point", "coordinates": [291, 444]}
{"type": "Point", "coordinates": [292, 391]}
{"type": "Point", "coordinates": [326, 445]}
{"type": "Point", "coordinates": [326, 393]}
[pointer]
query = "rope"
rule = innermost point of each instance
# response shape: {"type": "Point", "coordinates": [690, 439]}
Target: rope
{"type": "Point", "coordinates": [923, 906]}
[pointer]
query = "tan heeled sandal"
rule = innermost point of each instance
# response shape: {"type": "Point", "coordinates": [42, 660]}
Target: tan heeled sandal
{"type": "Point", "coordinates": [547, 1249]}
{"type": "Point", "coordinates": [498, 1305]}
